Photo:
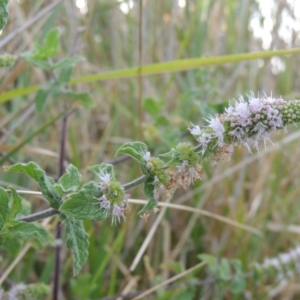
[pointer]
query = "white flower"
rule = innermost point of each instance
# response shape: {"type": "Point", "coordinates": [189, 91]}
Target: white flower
{"type": "Point", "coordinates": [147, 156]}
{"type": "Point", "coordinates": [195, 130]}
{"type": "Point", "coordinates": [204, 139]}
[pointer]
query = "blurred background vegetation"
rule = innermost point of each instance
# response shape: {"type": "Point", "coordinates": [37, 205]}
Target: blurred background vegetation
{"type": "Point", "coordinates": [260, 189]}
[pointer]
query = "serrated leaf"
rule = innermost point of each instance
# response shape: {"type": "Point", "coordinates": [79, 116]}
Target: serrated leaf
{"type": "Point", "coordinates": [136, 150]}
{"type": "Point", "coordinates": [46, 183]}
{"type": "Point", "coordinates": [16, 205]}
{"type": "Point", "coordinates": [85, 99]}
{"type": "Point", "coordinates": [209, 259]}
{"type": "Point", "coordinates": [40, 99]}
{"type": "Point", "coordinates": [102, 169]}
{"type": "Point", "coordinates": [70, 181]}
{"type": "Point", "coordinates": [78, 243]}
{"type": "Point", "coordinates": [149, 193]}
{"type": "Point", "coordinates": [84, 205]}
{"type": "Point", "coordinates": [26, 231]}
{"type": "Point", "coordinates": [4, 208]}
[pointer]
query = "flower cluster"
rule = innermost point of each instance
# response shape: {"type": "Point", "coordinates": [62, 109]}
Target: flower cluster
{"type": "Point", "coordinates": [188, 169]}
{"type": "Point", "coordinates": [245, 121]}
{"type": "Point", "coordinates": [114, 201]}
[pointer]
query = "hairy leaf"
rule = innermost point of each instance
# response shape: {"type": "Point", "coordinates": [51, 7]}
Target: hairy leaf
{"type": "Point", "coordinates": [149, 193]}
{"type": "Point", "coordinates": [136, 150]}
{"type": "Point", "coordinates": [46, 183]}
{"type": "Point", "coordinates": [26, 231]}
{"type": "Point", "coordinates": [84, 204]}
{"type": "Point", "coordinates": [16, 205]}
{"type": "Point", "coordinates": [78, 243]}
{"type": "Point", "coordinates": [4, 208]}
{"type": "Point", "coordinates": [70, 181]}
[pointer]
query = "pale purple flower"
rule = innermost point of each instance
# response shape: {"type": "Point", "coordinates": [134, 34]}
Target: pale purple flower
{"type": "Point", "coordinates": [256, 105]}
{"type": "Point", "coordinates": [105, 205]}
{"type": "Point", "coordinates": [218, 128]}
{"type": "Point", "coordinates": [260, 128]}
{"type": "Point", "coordinates": [204, 139]}
{"type": "Point", "coordinates": [183, 166]}
{"type": "Point", "coordinates": [272, 113]}
{"type": "Point", "coordinates": [117, 214]}
{"type": "Point", "coordinates": [238, 132]}
{"type": "Point", "coordinates": [195, 130]}
{"type": "Point", "coordinates": [105, 178]}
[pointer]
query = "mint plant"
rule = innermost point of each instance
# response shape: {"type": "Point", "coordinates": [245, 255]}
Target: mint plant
{"type": "Point", "coordinates": [245, 122]}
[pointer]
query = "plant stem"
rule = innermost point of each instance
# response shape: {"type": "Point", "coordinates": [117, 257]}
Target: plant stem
{"type": "Point", "coordinates": [51, 211]}
{"type": "Point", "coordinates": [39, 215]}
{"type": "Point", "coordinates": [58, 237]}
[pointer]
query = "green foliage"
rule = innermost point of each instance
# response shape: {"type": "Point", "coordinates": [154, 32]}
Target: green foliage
{"type": "Point", "coordinates": [42, 53]}
{"type": "Point", "coordinates": [3, 13]}
{"type": "Point", "coordinates": [46, 183]}
{"type": "Point", "coordinates": [136, 150]}
{"type": "Point", "coordinates": [153, 107]}
{"type": "Point", "coordinates": [16, 205]}
{"type": "Point", "coordinates": [25, 231]}
{"type": "Point", "coordinates": [78, 243]}
{"type": "Point", "coordinates": [227, 279]}
{"type": "Point", "coordinates": [7, 60]}
{"type": "Point", "coordinates": [149, 193]}
{"type": "Point", "coordinates": [4, 208]}
{"type": "Point", "coordinates": [70, 181]}
{"type": "Point", "coordinates": [34, 291]}
{"type": "Point", "coordinates": [102, 169]}
{"type": "Point", "coordinates": [83, 204]}
{"type": "Point", "coordinates": [41, 57]}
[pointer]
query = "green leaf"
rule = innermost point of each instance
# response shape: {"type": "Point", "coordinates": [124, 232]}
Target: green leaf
{"type": "Point", "coordinates": [84, 205]}
{"type": "Point", "coordinates": [224, 270]}
{"type": "Point", "coordinates": [40, 99]}
{"type": "Point", "coordinates": [26, 231]}
{"type": "Point", "coordinates": [85, 99]}
{"type": "Point", "coordinates": [149, 192]}
{"type": "Point", "coordinates": [70, 181]}
{"type": "Point", "coordinates": [50, 47]}
{"type": "Point", "coordinates": [136, 150]}
{"type": "Point", "coordinates": [64, 75]}
{"type": "Point", "coordinates": [78, 243]}
{"type": "Point", "coordinates": [102, 169]}
{"type": "Point", "coordinates": [67, 62]}
{"type": "Point", "coordinates": [153, 107]}
{"type": "Point", "coordinates": [46, 183]}
{"type": "Point", "coordinates": [17, 203]}
{"type": "Point", "coordinates": [3, 13]}
{"type": "Point", "coordinates": [4, 208]}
